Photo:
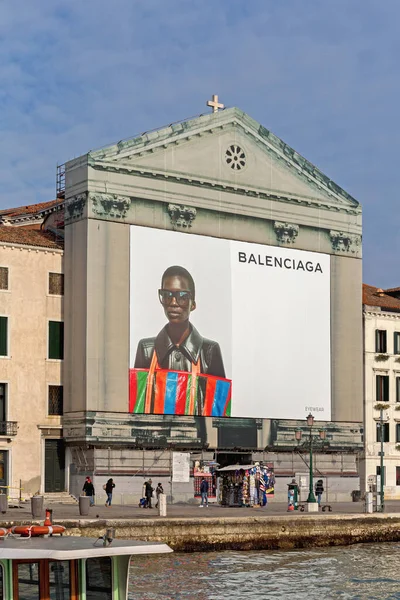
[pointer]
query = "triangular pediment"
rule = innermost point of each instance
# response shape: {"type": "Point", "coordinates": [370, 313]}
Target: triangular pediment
{"type": "Point", "coordinates": [227, 149]}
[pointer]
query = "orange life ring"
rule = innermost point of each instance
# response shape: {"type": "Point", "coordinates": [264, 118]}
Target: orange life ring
{"type": "Point", "coordinates": [3, 532]}
{"type": "Point", "coordinates": [35, 530]}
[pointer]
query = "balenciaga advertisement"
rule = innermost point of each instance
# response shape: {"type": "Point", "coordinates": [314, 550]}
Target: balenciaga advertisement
{"type": "Point", "coordinates": [222, 328]}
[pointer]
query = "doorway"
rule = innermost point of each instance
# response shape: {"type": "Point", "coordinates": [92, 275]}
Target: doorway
{"type": "Point", "coordinates": [3, 471]}
{"type": "Point", "coordinates": [54, 466]}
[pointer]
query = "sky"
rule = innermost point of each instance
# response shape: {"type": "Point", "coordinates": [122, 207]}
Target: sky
{"type": "Point", "coordinates": [321, 75]}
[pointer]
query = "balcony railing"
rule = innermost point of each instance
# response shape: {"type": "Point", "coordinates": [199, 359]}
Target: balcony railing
{"type": "Point", "coordinates": [8, 427]}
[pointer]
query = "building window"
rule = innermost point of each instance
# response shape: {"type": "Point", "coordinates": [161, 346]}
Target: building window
{"type": "Point", "coordinates": [3, 278]}
{"type": "Point", "coordinates": [397, 432]}
{"type": "Point", "coordinates": [385, 430]}
{"type": "Point", "coordinates": [396, 342]}
{"type": "Point", "coordinates": [98, 578]}
{"type": "Point", "coordinates": [382, 388]}
{"type": "Point", "coordinates": [56, 397]}
{"type": "Point", "coordinates": [380, 341]}
{"type": "Point", "coordinates": [56, 340]}
{"type": "Point", "coordinates": [56, 284]}
{"type": "Point", "coordinates": [3, 336]}
{"type": "Point", "coordinates": [3, 402]}
{"type": "Point", "coordinates": [397, 475]}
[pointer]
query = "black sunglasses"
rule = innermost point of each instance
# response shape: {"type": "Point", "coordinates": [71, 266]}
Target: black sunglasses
{"type": "Point", "coordinates": [182, 297]}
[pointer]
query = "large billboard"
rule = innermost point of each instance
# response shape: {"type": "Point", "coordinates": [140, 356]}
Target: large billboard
{"type": "Point", "coordinates": [224, 328]}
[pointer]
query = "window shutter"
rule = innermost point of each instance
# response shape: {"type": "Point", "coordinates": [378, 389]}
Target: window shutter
{"type": "Point", "coordinates": [386, 388]}
{"type": "Point", "coordinates": [376, 340]}
{"type": "Point", "coordinates": [56, 340]}
{"type": "Point", "coordinates": [3, 336]}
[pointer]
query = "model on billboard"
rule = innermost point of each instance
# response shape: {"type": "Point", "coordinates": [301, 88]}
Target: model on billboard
{"type": "Point", "coordinates": [180, 348]}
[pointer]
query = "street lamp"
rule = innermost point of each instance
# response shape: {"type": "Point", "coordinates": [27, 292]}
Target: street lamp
{"type": "Point", "coordinates": [322, 436]}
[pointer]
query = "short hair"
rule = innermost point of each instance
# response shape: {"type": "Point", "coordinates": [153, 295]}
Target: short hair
{"type": "Point", "coordinates": [177, 271]}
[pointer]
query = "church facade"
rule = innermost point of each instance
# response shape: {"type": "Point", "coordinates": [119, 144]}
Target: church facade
{"type": "Point", "coordinates": [274, 247]}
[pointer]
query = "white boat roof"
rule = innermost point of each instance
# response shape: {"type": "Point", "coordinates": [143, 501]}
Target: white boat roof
{"type": "Point", "coordinates": [70, 548]}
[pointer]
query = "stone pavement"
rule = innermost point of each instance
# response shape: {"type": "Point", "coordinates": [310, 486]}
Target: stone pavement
{"type": "Point", "coordinates": [68, 511]}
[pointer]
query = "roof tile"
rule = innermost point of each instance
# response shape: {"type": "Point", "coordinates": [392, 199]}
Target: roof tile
{"type": "Point", "coordinates": [373, 296]}
{"type": "Point", "coordinates": [30, 237]}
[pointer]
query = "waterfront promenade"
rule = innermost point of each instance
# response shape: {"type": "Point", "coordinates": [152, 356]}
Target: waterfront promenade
{"type": "Point", "coordinates": [190, 511]}
{"type": "Point", "coordinates": [188, 528]}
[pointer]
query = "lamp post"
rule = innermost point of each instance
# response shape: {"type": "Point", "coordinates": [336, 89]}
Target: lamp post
{"type": "Point", "coordinates": [322, 435]}
{"type": "Point", "coordinates": [382, 454]}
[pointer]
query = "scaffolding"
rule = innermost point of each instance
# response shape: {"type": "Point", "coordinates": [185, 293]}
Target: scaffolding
{"type": "Point", "coordinates": [60, 181]}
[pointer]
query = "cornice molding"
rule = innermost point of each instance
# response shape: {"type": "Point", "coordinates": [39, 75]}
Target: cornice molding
{"type": "Point", "coordinates": [28, 248]}
{"type": "Point", "coordinates": [294, 199]}
{"type": "Point", "coordinates": [374, 314]}
{"type": "Point", "coordinates": [286, 233]}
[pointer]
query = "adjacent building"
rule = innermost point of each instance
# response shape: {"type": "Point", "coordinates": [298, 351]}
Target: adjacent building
{"type": "Point", "coordinates": [381, 310]}
{"type": "Point", "coordinates": [31, 355]}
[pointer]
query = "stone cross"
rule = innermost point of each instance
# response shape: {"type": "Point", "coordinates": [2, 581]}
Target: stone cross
{"type": "Point", "coordinates": [214, 103]}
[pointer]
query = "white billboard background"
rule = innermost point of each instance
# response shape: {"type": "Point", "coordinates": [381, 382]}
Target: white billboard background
{"type": "Point", "coordinates": [272, 324]}
{"type": "Point", "coordinates": [280, 335]}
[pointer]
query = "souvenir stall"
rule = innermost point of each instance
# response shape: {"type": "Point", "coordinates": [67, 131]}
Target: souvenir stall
{"type": "Point", "coordinates": [206, 469]}
{"type": "Point", "coordinates": [245, 485]}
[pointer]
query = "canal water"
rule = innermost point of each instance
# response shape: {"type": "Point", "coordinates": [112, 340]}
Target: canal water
{"type": "Point", "coordinates": [361, 572]}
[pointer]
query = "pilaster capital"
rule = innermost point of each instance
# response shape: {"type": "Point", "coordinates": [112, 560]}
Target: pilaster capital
{"type": "Point", "coordinates": [109, 205]}
{"type": "Point", "coordinates": [181, 216]}
{"type": "Point", "coordinates": [286, 233]}
{"type": "Point", "coordinates": [345, 242]}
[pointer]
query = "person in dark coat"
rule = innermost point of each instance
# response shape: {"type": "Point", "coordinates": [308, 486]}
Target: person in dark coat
{"type": "Point", "coordinates": [148, 492]}
{"type": "Point", "coordinates": [109, 487]}
{"type": "Point", "coordinates": [88, 490]}
{"type": "Point", "coordinates": [159, 490]}
{"type": "Point", "coordinates": [179, 346]}
{"type": "Point", "coordinates": [319, 490]}
{"type": "Point", "coordinates": [204, 492]}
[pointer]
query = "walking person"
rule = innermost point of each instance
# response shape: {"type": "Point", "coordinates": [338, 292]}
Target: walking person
{"type": "Point", "coordinates": [319, 490]}
{"type": "Point", "coordinates": [88, 490]}
{"type": "Point", "coordinates": [148, 492]}
{"type": "Point", "coordinates": [159, 490]}
{"type": "Point", "coordinates": [204, 492]}
{"type": "Point", "coordinates": [109, 487]}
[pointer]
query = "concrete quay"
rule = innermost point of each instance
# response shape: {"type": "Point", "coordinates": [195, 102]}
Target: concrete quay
{"type": "Point", "coordinates": [192, 529]}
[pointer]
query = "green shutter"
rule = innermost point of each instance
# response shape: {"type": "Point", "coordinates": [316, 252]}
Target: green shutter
{"type": "Point", "coordinates": [3, 336]}
{"type": "Point", "coordinates": [378, 388]}
{"type": "Point", "coordinates": [56, 340]}
{"type": "Point", "coordinates": [386, 388]}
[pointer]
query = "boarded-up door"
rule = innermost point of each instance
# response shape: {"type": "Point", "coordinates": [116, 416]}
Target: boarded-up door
{"type": "Point", "coordinates": [54, 468]}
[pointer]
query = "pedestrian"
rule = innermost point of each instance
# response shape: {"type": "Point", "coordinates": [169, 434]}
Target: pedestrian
{"type": "Point", "coordinates": [148, 492]}
{"type": "Point", "coordinates": [88, 490]}
{"type": "Point", "coordinates": [319, 490]}
{"type": "Point", "coordinates": [159, 490]}
{"type": "Point", "coordinates": [109, 487]}
{"type": "Point", "coordinates": [204, 492]}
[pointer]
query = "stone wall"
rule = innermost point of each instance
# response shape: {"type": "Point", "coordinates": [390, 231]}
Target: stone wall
{"type": "Point", "coordinates": [232, 533]}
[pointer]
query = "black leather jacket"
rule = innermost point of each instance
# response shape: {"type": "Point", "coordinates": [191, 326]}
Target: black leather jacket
{"type": "Point", "coordinates": [181, 358]}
